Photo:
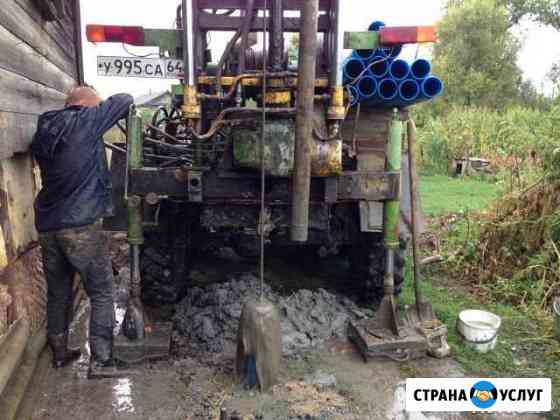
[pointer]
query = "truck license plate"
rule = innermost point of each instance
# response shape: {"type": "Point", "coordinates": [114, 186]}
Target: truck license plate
{"type": "Point", "coordinates": [157, 68]}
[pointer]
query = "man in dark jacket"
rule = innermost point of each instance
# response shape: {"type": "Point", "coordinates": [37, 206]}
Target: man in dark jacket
{"type": "Point", "coordinates": [75, 196]}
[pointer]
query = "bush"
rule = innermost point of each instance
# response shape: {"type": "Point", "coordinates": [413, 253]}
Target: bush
{"type": "Point", "coordinates": [511, 139]}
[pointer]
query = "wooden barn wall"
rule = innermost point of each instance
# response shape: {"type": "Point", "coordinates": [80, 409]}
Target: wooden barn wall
{"type": "Point", "coordinates": [38, 65]}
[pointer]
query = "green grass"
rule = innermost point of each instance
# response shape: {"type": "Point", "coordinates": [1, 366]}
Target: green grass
{"type": "Point", "coordinates": [441, 194]}
{"type": "Point", "coordinates": [525, 345]}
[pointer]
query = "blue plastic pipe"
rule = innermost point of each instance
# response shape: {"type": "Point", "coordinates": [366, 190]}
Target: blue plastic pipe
{"type": "Point", "coordinates": [379, 66]}
{"type": "Point", "coordinates": [420, 69]}
{"type": "Point", "coordinates": [376, 25]}
{"type": "Point", "coordinates": [387, 90]}
{"type": "Point", "coordinates": [431, 87]}
{"type": "Point", "coordinates": [399, 69]}
{"type": "Point", "coordinates": [367, 88]}
{"type": "Point", "coordinates": [366, 55]}
{"type": "Point", "coordinates": [408, 91]}
{"type": "Point", "coordinates": [353, 68]}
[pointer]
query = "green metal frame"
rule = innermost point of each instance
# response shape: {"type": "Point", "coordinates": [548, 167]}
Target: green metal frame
{"type": "Point", "coordinates": [391, 208]}
{"type": "Point", "coordinates": [134, 161]}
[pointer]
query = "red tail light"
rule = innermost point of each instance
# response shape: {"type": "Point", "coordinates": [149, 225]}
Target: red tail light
{"type": "Point", "coordinates": [407, 35]}
{"type": "Point", "coordinates": [133, 35]}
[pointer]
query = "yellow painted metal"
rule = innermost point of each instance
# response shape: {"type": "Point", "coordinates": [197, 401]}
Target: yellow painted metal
{"type": "Point", "coordinates": [278, 97]}
{"type": "Point", "coordinates": [191, 106]}
{"type": "Point", "coordinates": [255, 81]}
{"type": "Point", "coordinates": [336, 109]}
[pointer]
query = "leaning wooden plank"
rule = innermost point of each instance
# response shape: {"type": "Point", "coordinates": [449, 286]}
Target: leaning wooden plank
{"type": "Point", "coordinates": [11, 398]}
{"type": "Point", "coordinates": [20, 58]}
{"type": "Point", "coordinates": [19, 23]}
{"type": "Point", "coordinates": [12, 351]}
{"type": "Point", "coordinates": [55, 30]}
{"type": "Point", "coordinates": [25, 96]}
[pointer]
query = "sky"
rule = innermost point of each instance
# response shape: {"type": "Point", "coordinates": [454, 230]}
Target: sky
{"type": "Point", "coordinates": [541, 45]}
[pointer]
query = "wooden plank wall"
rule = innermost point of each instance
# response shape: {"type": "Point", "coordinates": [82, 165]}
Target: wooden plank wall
{"type": "Point", "coordinates": [38, 65]}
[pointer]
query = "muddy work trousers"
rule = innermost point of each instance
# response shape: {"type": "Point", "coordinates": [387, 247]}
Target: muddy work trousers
{"type": "Point", "coordinates": [83, 250]}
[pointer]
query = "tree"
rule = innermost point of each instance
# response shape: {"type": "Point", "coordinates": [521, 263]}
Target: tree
{"type": "Point", "coordinates": [544, 11]}
{"type": "Point", "coordinates": [476, 55]}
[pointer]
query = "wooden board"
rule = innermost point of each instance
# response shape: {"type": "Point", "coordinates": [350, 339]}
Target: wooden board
{"type": "Point", "coordinates": [61, 31]}
{"type": "Point", "coordinates": [16, 133]}
{"type": "Point", "coordinates": [21, 59]}
{"type": "Point", "coordinates": [16, 20]}
{"type": "Point", "coordinates": [24, 96]}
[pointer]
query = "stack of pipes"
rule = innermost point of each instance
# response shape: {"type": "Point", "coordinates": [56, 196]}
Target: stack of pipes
{"type": "Point", "coordinates": [379, 78]}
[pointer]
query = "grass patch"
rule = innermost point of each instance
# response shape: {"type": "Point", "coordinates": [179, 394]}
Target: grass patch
{"type": "Point", "coordinates": [526, 347]}
{"type": "Point", "coordinates": [443, 195]}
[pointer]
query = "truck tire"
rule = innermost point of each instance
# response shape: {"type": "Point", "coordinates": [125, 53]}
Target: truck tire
{"type": "Point", "coordinates": [367, 259]}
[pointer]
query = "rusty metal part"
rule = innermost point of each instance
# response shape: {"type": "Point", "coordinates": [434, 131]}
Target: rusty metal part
{"type": "Point", "coordinates": [276, 44]}
{"type": "Point", "coordinates": [326, 158]}
{"type": "Point", "coordinates": [242, 31]}
{"type": "Point", "coordinates": [255, 81]}
{"type": "Point", "coordinates": [306, 90]}
{"type": "Point", "coordinates": [245, 34]}
{"type": "Point", "coordinates": [279, 145]}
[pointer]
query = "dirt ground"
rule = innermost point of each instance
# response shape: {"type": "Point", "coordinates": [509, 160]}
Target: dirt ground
{"type": "Point", "coordinates": [329, 382]}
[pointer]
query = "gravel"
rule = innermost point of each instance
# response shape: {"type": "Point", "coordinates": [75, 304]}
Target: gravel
{"type": "Point", "coordinates": [207, 318]}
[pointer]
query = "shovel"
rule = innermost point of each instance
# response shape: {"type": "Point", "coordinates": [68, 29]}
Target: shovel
{"type": "Point", "coordinates": [424, 310]}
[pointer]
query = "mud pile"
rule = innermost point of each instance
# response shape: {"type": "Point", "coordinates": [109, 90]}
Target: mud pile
{"type": "Point", "coordinates": [207, 318]}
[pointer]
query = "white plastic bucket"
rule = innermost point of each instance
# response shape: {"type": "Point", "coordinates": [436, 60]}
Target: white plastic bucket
{"type": "Point", "coordinates": [479, 329]}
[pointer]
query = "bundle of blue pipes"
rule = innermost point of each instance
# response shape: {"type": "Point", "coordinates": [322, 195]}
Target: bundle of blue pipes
{"type": "Point", "coordinates": [379, 78]}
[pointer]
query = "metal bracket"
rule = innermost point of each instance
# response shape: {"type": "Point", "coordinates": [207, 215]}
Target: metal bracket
{"type": "Point", "coordinates": [369, 186]}
{"type": "Point", "coordinates": [194, 186]}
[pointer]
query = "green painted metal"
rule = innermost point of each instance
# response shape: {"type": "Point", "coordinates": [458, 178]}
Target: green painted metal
{"type": "Point", "coordinates": [135, 161]}
{"type": "Point", "coordinates": [278, 150]}
{"type": "Point", "coordinates": [391, 208]}
{"type": "Point", "coordinates": [166, 39]}
{"type": "Point", "coordinates": [361, 40]}
{"type": "Point", "coordinates": [177, 90]}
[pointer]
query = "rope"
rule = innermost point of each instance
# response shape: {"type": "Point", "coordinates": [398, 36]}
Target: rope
{"type": "Point", "coordinates": [263, 176]}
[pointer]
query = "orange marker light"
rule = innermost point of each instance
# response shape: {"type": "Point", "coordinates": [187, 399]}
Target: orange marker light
{"type": "Point", "coordinates": [407, 35]}
{"type": "Point", "coordinates": [95, 33]}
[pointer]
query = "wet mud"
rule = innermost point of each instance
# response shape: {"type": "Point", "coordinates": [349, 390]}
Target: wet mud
{"type": "Point", "coordinates": [322, 376]}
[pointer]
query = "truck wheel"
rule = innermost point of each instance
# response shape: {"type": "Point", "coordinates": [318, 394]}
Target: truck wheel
{"type": "Point", "coordinates": [160, 284]}
{"type": "Point", "coordinates": [367, 259]}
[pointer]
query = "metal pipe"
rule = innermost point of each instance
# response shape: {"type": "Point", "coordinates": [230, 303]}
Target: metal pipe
{"type": "Point", "coordinates": [245, 28]}
{"type": "Point", "coordinates": [338, 51]}
{"type": "Point", "coordinates": [188, 47]}
{"type": "Point", "coordinates": [304, 120]}
{"type": "Point", "coordinates": [391, 208]}
{"type": "Point", "coordinates": [411, 134]}
{"type": "Point", "coordinates": [276, 42]}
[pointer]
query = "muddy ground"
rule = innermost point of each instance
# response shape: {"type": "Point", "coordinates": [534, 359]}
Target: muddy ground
{"type": "Point", "coordinates": [322, 375]}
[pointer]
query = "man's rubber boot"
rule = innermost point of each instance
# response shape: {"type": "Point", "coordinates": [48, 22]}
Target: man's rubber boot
{"type": "Point", "coordinates": [101, 363]}
{"type": "Point", "coordinates": [62, 354]}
